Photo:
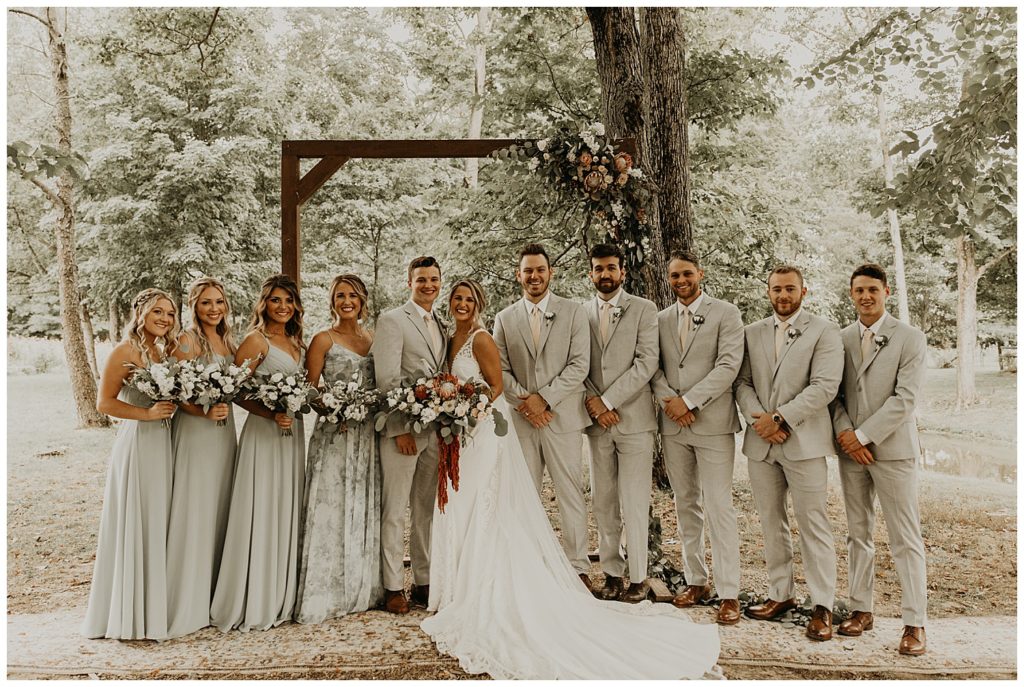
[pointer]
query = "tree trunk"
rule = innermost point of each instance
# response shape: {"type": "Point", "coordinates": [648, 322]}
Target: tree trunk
{"type": "Point", "coordinates": [619, 67]}
{"type": "Point", "coordinates": [663, 52]}
{"type": "Point", "coordinates": [83, 384]}
{"type": "Point", "coordinates": [894, 220]}
{"type": "Point", "coordinates": [476, 113]}
{"type": "Point", "coordinates": [90, 339]}
{"type": "Point", "coordinates": [966, 321]}
{"type": "Point", "coordinates": [115, 322]}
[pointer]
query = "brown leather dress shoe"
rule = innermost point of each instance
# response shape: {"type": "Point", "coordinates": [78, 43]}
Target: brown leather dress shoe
{"type": "Point", "coordinates": [820, 627]}
{"type": "Point", "coordinates": [612, 589]}
{"type": "Point", "coordinates": [692, 595]}
{"type": "Point", "coordinates": [585, 579]}
{"type": "Point", "coordinates": [913, 642]}
{"type": "Point", "coordinates": [394, 602]}
{"type": "Point", "coordinates": [728, 612]}
{"type": "Point", "coordinates": [857, 624]}
{"type": "Point", "coordinates": [420, 594]}
{"type": "Point", "coordinates": [636, 593]}
{"type": "Point", "coordinates": [770, 609]}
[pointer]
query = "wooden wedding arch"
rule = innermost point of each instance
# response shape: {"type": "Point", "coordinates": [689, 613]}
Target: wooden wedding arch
{"type": "Point", "coordinates": [298, 188]}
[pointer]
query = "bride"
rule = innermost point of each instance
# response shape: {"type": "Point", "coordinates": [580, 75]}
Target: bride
{"type": "Point", "coordinates": [508, 602]}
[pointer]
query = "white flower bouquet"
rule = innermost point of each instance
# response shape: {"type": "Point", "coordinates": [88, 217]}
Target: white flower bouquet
{"type": "Point", "coordinates": [157, 381]}
{"type": "Point", "coordinates": [207, 384]}
{"type": "Point", "coordinates": [289, 394]}
{"type": "Point", "coordinates": [455, 407]}
{"type": "Point", "coordinates": [346, 403]}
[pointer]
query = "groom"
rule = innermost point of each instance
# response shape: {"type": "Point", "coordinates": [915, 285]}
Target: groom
{"type": "Point", "coordinates": [409, 343]}
{"type": "Point", "coordinates": [544, 344]}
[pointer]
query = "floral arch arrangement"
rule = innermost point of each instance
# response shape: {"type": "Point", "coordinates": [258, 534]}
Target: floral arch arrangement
{"type": "Point", "coordinates": [586, 169]}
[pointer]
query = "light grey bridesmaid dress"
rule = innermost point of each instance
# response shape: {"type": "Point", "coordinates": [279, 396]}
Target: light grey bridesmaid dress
{"type": "Point", "coordinates": [128, 597]}
{"type": "Point", "coordinates": [204, 461]}
{"type": "Point", "coordinates": [339, 571]}
{"type": "Point", "coordinates": [258, 574]}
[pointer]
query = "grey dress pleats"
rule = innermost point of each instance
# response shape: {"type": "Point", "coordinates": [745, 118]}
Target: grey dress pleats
{"type": "Point", "coordinates": [204, 461]}
{"type": "Point", "coordinates": [128, 597]}
{"type": "Point", "coordinates": [259, 568]}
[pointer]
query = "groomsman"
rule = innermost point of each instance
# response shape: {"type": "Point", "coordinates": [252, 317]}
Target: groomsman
{"type": "Point", "coordinates": [623, 358]}
{"type": "Point", "coordinates": [701, 352]}
{"type": "Point", "coordinates": [409, 343]}
{"type": "Point", "coordinates": [873, 418]}
{"type": "Point", "coordinates": [544, 343]}
{"type": "Point", "coordinates": [790, 374]}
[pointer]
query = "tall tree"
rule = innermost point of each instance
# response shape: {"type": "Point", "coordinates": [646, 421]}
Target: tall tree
{"type": "Point", "coordinates": [62, 196]}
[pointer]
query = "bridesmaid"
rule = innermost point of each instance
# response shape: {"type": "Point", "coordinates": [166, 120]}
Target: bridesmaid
{"type": "Point", "coordinates": [128, 598]}
{"type": "Point", "coordinates": [204, 460]}
{"type": "Point", "coordinates": [259, 568]}
{"type": "Point", "coordinates": [339, 571]}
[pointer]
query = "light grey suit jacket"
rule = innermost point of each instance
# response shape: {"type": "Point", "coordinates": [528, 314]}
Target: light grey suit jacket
{"type": "Point", "coordinates": [621, 369]}
{"type": "Point", "coordinates": [555, 368]}
{"type": "Point", "coordinates": [705, 371]}
{"type": "Point", "coordinates": [402, 354]}
{"type": "Point", "coordinates": [879, 396]}
{"type": "Point", "coordinates": [801, 385]}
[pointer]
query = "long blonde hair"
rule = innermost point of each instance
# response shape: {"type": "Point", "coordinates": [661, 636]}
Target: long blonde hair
{"type": "Point", "coordinates": [258, 322]}
{"type": "Point", "coordinates": [359, 287]}
{"type": "Point", "coordinates": [223, 329]}
{"type": "Point", "coordinates": [477, 292]}
{"type": "Point", "coordinates": [142, 305]}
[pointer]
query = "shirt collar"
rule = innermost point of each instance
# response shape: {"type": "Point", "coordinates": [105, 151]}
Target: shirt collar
{"type": "Point", "coordinates": [875, 328]}
{"type": "Point", "coordinates": [692, 307]}
{"type": "Point", "coordinates": [543, 305]}
{"type": "Point", "coordinates": [422, 313]}
{"type": "Point", "coordinates": [614, 300]}
{"type": "Point", "coordinates": [792, 318]}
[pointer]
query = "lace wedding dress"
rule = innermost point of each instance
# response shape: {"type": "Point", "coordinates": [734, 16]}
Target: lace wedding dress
{"type": "Point", "coordinates": [508, 602]}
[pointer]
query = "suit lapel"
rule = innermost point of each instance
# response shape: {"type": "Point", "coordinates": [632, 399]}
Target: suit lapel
{"type": "Point", "coordinates": [421, 327]}
{"type": "Point", "coordinates": [613, 321]}
{"type": "Point", "coordinates": [703, 312]}
{"type": "Point", "coordinates": [522, 325]}
{"type": "Point", "coordinates": [768, 342]}
{"type": "Point", "coordinates": [546, 324]}
{"type": "Point", "coordinates": [790, 340]}
{"type": "Point", "coordinates": [886, 330]}
{"type": "Point", "coordinates": [594, 312]}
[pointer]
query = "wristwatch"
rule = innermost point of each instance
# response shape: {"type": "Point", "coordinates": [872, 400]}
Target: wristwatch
{"type": "Point", "coordinates": [777, 418]}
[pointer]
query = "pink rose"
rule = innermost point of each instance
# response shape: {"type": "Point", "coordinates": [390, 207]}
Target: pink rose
{"type": "Point", "coordinates": [622, 179]}
{"type": "Point", "coordinates": [585, 159]}
{"type": "Point", "coordinates": [623, 162]}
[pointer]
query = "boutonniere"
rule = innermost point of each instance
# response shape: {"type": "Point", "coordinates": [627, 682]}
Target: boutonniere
{"type": "Point", "coordinates": [616, 313]}
{"type": "Point", "coordinates": [698, 320]}
{"type": "Point", "coordinates": [792, 333]}
{"type": "Point", "coordinates": [880, 341]}
{"type": "Point", "coordinates": [548, 316]}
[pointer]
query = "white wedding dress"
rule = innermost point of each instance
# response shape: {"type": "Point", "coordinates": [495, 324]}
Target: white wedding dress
{"type": "Point", "coordinates": [508, 602]}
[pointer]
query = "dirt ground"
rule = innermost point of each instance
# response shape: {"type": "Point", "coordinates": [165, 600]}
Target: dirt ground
{"type": "Point", "coordinates": [56, 476]}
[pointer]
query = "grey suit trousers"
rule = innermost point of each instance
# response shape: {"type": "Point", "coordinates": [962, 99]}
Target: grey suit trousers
{"type": "Point", "coordinates": [412, 481]}
{"type": "Point", "coordinates": [807, 480]}
{"type": "Point", "coordinates": [701, 480]}
{"type": "Point", "coordinates": [620, 477]}
{"type": "Point", "coordinates": [895, 481]}
{"type": "Point", "coordinates": [563, 456]}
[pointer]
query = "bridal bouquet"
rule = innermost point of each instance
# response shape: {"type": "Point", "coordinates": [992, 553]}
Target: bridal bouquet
{"type": "Point", "coordinates": [208, 384]}
{"type": "Point", "coordinates": [281, 393]}
{"type": "Point", "coordinates": [157, 381]}
{"type": "Point", "coordinates": [455, 407]}
{"type": "Point", "coordinates": [347, 403]}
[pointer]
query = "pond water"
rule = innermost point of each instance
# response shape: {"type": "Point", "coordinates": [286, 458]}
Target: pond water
{"type": "Point", "coordinates": [977, 458]}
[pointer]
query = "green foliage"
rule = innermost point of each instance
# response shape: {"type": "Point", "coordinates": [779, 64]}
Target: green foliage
{"type": "Point", "coordinates": [30, 161]}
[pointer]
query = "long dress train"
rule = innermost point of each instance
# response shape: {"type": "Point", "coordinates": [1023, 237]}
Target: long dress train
{"type": "Point", "coordinates": [508, 602]}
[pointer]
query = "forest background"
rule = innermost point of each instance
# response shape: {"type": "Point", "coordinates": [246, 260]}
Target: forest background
{"type": "Point", "coordinates": [144, 150]}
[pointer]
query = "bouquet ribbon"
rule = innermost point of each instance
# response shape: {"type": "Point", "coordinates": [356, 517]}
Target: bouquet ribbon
{"type": "Point", "coordinates": [447, 467]}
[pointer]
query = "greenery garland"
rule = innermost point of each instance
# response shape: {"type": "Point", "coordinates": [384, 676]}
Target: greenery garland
{"type": "Point", "coordinates": [587, 170]}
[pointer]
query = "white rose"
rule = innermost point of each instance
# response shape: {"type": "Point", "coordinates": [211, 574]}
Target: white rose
{"type": "Point", "coordinates": [597, 128]}
{"type": "Point", "coordinates": [542, 144]}
{"type": "Point", "coordinates": [276, 377]}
